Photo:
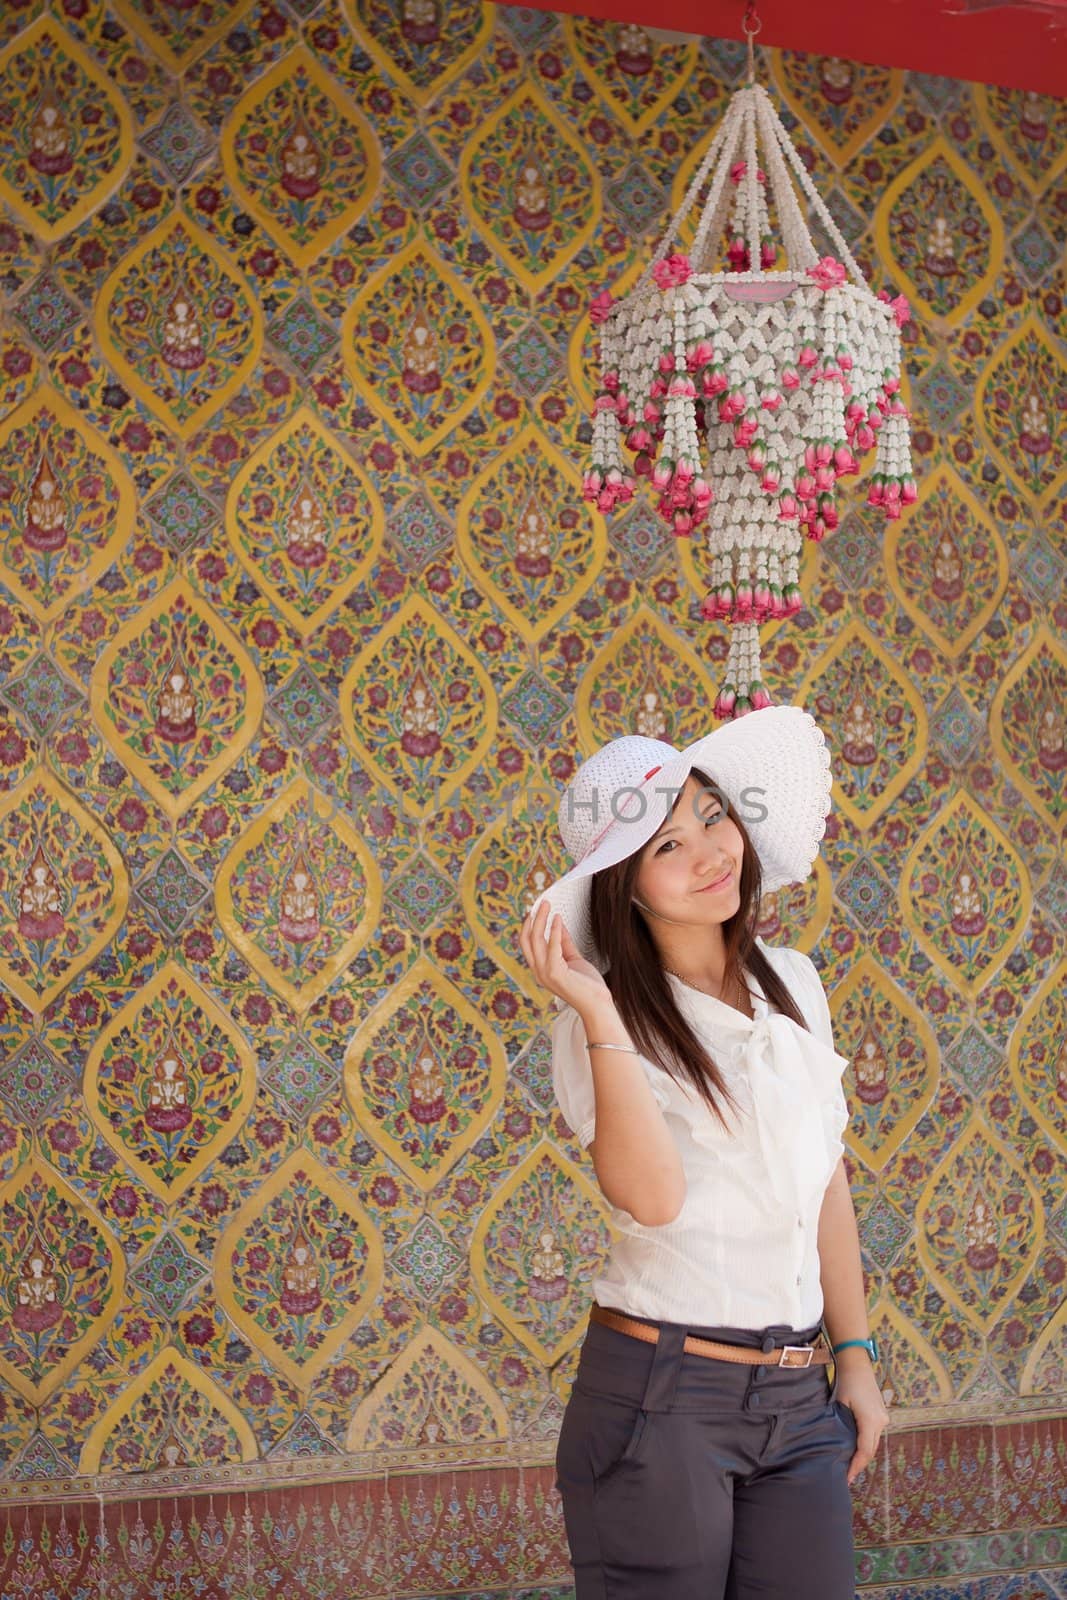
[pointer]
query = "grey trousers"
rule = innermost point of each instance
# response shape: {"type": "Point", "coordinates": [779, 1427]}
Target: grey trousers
{"type": "Point", "coordinates": [684, 1478]}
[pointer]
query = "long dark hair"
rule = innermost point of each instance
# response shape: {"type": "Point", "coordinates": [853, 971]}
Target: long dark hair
{"type": "Point", "coordinates": [639, 986]}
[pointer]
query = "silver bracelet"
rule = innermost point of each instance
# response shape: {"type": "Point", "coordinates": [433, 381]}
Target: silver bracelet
{"type": "Point", "coordinates": [627, 1047]}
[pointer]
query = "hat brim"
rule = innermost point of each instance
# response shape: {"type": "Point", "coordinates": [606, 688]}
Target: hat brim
{"type": "Point", "coordinates": [770, 767]}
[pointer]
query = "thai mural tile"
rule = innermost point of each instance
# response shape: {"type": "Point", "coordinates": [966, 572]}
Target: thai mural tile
{"type": "Point", "coordinates": [62, 162]}
{"type": "Point", "coordinates": [298, 636]}
{"type": "Point", "coordinates": [56, 472]}
{"type": "Point", "coordinates": [311, 186]}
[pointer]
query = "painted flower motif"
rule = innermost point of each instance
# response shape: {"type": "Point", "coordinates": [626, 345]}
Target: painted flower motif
{"type": "Point", "coordinates": [828, 273]}
{"type": "Point", "coordinates": [600, 310]}
{"type": "Point", "coordinates": [673, 272]}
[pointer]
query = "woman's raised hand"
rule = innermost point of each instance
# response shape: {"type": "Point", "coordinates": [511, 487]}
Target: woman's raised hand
{"type": "Point", "coordinates": [555, 961]}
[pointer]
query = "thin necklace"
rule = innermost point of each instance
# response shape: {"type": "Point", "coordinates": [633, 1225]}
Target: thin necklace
{"type": "Point", "coordinates": [701, 990]}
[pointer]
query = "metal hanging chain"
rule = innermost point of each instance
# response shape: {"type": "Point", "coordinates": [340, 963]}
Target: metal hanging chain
{"type": "Point", "coordinates": [751, 26]}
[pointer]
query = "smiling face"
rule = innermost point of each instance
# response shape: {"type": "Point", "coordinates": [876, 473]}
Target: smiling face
{"type": "Point", "coordinates": [690, 870]}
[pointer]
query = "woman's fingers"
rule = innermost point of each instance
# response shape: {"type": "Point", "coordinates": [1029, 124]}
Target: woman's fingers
{"type": "Point", "coordinates": [535, 948]}
{"type": "Point", "coordinates": [866, 1446]}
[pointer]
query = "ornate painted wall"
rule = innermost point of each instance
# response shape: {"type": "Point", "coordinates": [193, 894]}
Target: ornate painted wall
{"type": "Point", "coordinates": [301, 620]}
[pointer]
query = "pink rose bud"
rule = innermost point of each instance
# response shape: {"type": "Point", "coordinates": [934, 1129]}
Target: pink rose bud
{"type": "Point", "coordinates": [772, 478]}
{"type": "Point", "coordinates": [790, 378]}
{"type": "Point", "coordinates": [875, 417]}
{"type": "Point", "coordinates": [757, 458]}
{"type": "Point", "coordinates": [643, 465]}
{"type": "Point", "coordinates": [787, 507]}
{"type": "Point", "coordinates": [825, 478]}
{"type": "Point", "coordinates": [713, 381]}
{"type": "Point", "coordinates": [844, 461]}
{"type": "Point", "coordinates": [865, 438]}
{"type": "Point", "coordinates": [725, 701]}
{"type": "Point", "coordinates": [876, 493]}
{"type": "Point", "coordinates": [771, 400]}
{"type": "Point", "coordinates": [909, 492]}
{"type": "Point", "coordinates": [777, 603]}
{"type": "Point", "coordinates": [600, 309]}
{"type": "Point", "coordinates": [666, 361]}
{"type": "Point", "coordinates": [759, 697]}
{"type": "Point", "coordinates": [805, 486]}
{"type": "Point", "coordinates": [672, 272]}
{"type": "Point", "coordinates": [828, 273]}
{"type": "Point", "coordinates": [737, 171]}
{"type": "Point", "coordinates": [604, 402]}
{"type": "Point", "coordinates": [683, 523]}
{"type": "Point", "coordinates": [701, 354]}
{"type": "Point", "coordinates": [808, 355]}
{"type": "Point", "coordinates": [844, 360]}
{"type": "Point", "coordinates": [768, 255]}
{"type": "Point", "coordinates": [657, 389]}
{"type": "Point", "coordinates": [662, 473]}
{"type": "Point", "coordinates": [737, 255]}
{"type": "Point", "coordinates": [899, 307]}
{"type": "Point", "coordinates": [682, 388]}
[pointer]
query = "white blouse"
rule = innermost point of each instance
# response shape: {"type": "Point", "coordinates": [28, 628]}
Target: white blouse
{"type": "Point", "coordinates": [742, 1252]}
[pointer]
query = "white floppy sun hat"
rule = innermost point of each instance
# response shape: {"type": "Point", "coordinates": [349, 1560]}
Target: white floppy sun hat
{"type": "Point", "coordinates": [771, 767]}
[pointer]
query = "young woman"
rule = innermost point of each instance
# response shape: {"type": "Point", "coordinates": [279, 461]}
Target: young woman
{"type": "Point", "coordinates": [703, 1454]}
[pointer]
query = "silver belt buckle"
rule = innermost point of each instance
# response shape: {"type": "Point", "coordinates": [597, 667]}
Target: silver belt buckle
{"type": "Point", "coordinates": [796, 1350]}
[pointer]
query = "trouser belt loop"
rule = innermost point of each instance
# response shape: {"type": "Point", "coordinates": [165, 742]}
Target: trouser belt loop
{"type": "Point", "coordinates": [666, 1366]}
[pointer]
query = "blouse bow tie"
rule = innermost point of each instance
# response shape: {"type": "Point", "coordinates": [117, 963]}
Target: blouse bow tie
{"type": "Point", "coordinates": [793, 1080]}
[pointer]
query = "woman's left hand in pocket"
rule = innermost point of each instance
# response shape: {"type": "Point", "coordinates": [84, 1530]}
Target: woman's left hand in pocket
{"type": "Point", "coordinates": [857, 1388]}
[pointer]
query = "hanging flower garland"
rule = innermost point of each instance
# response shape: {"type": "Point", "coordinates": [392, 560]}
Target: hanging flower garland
{"type": "Point", "coordinates": [745, 394]}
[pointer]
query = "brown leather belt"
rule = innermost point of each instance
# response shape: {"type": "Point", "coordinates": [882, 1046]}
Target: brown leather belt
{"type": "Point", "coordinates": [790, 1355]}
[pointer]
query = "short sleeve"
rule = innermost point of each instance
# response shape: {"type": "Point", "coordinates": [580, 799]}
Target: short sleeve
{"type": "Point", "coordinates": [816, 1008]}
{"type": "Point", "coordinates": [811, 998]}
{"type": "Point", "coordinates": [572, 1076]}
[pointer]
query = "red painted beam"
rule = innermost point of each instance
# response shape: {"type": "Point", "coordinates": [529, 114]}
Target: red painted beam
{"type": "Point", "coordinates": [1020, 45]}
